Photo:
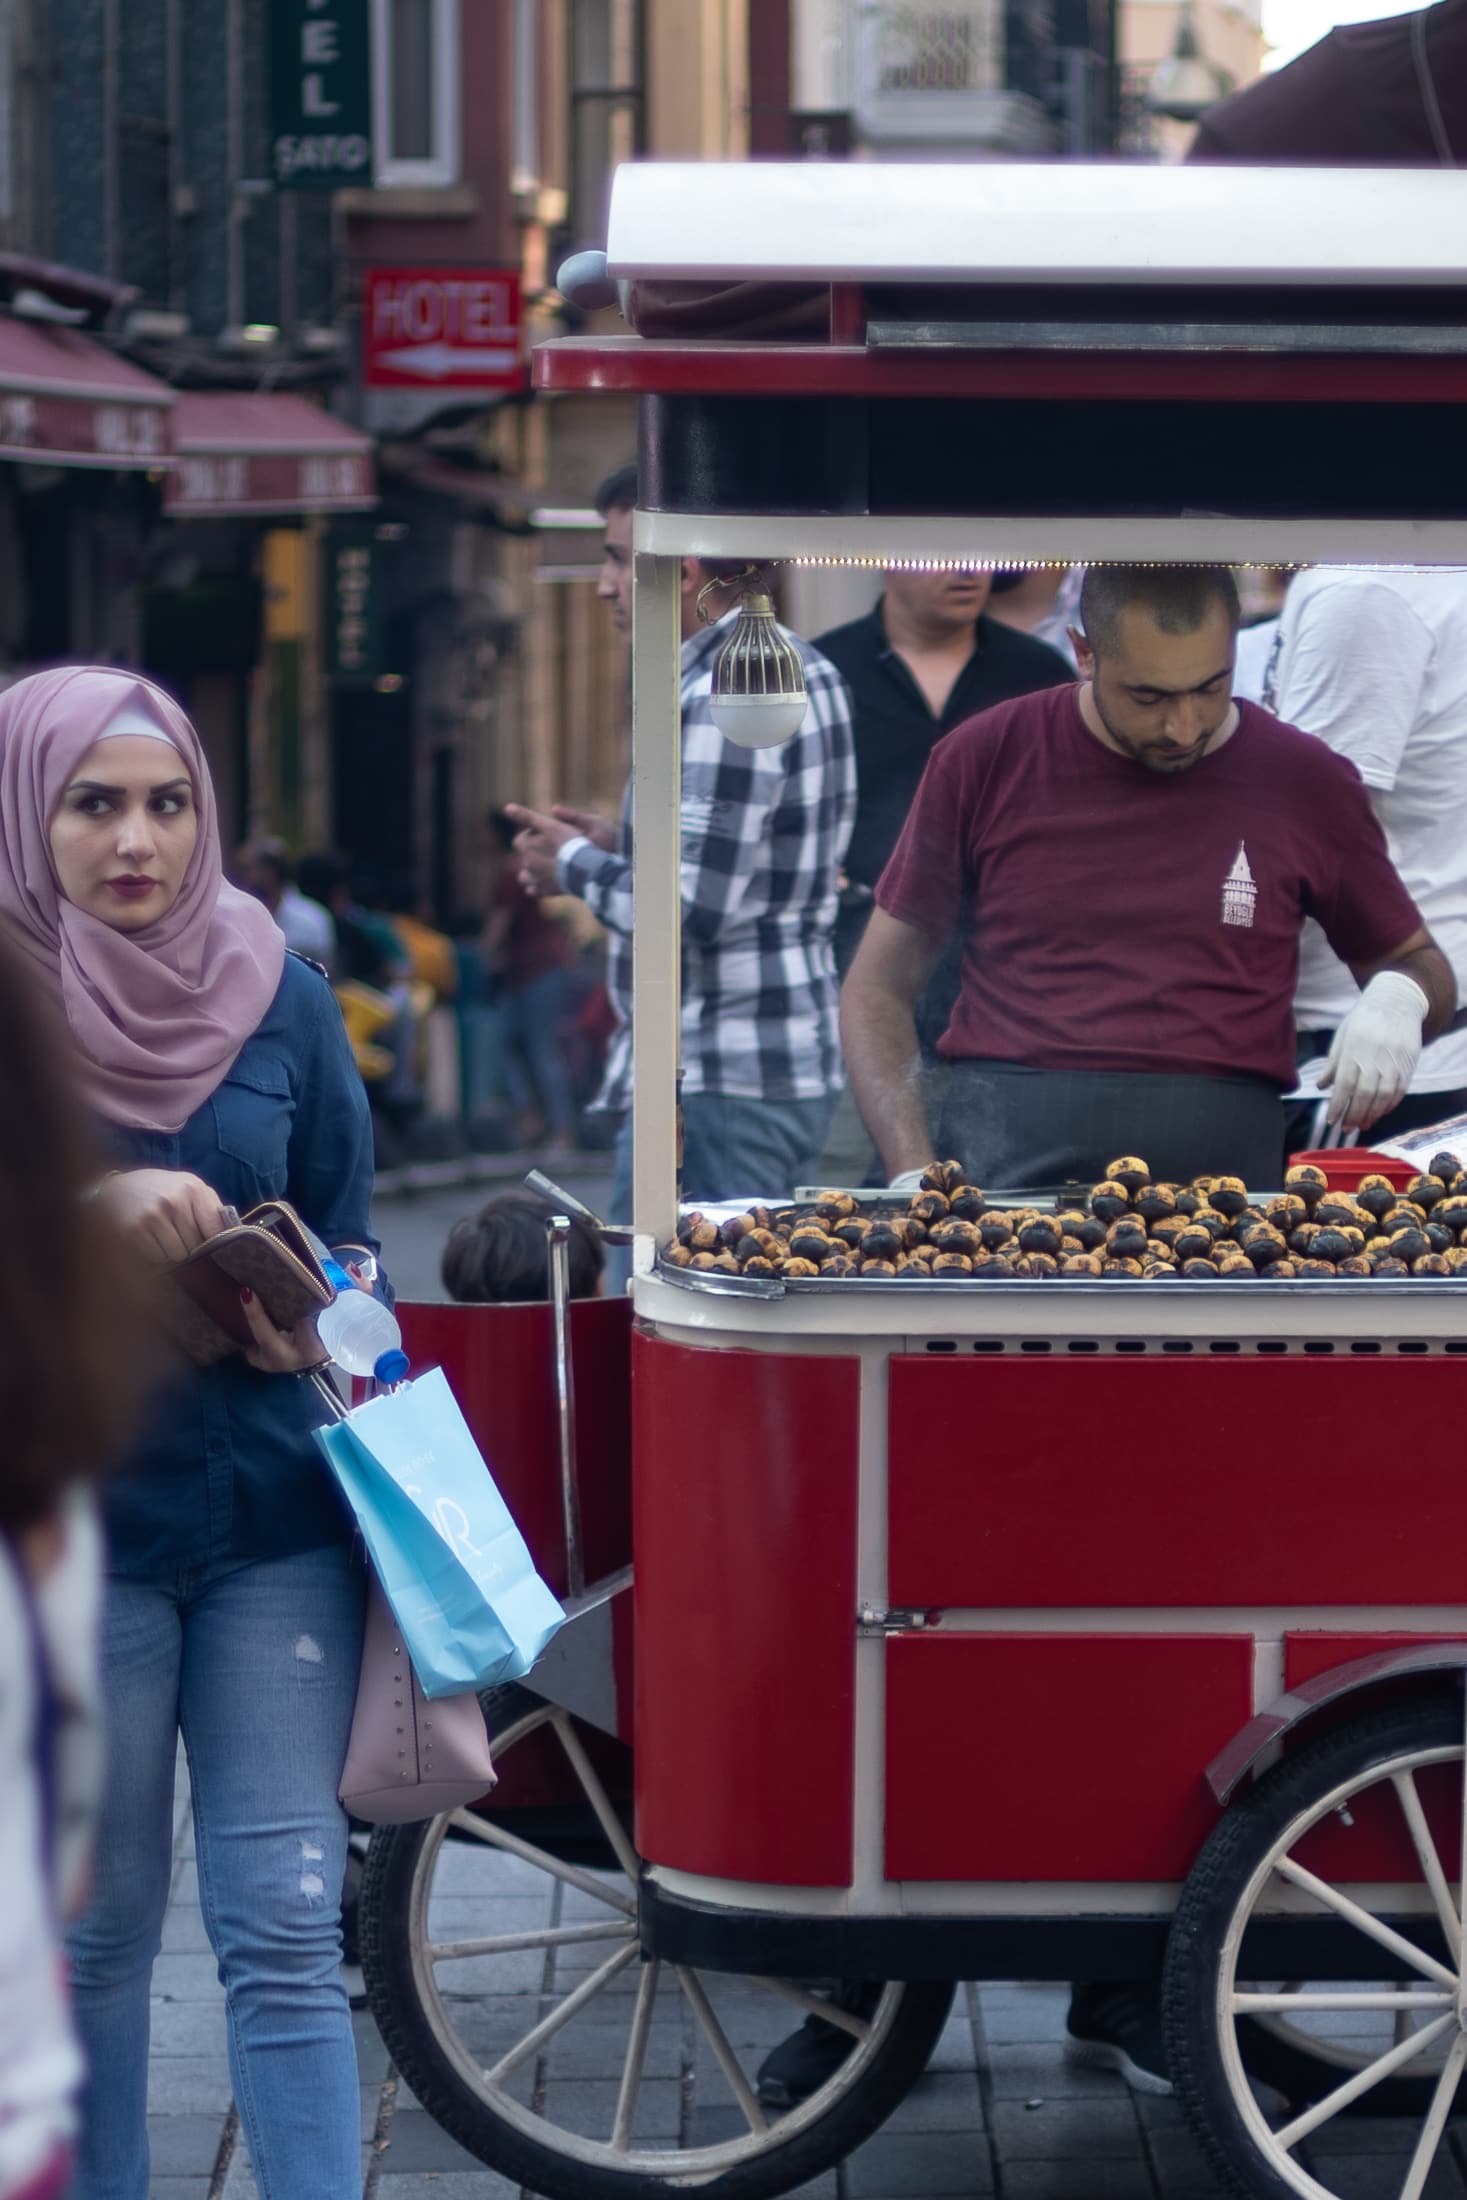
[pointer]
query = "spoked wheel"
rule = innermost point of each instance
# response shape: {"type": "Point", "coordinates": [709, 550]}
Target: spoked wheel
{"type": "Point", "coordinates": [508, 1985]}
{"type": "Point", "coordinates": [1398, 2031]}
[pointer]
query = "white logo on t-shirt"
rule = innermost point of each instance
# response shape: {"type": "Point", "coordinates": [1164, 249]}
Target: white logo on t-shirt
{"type": "Point", "coordinates": [1240, 892]}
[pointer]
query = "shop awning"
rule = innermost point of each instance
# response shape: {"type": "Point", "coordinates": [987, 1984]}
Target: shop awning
{"type": "Point", "coordinates": [65, 400]}
{"type": "Point", "coordinates": [257, 453]}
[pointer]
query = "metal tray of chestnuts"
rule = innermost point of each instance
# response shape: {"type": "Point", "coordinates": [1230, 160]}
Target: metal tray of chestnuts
{"type": "Point", "coordinates": [1212, 1234]}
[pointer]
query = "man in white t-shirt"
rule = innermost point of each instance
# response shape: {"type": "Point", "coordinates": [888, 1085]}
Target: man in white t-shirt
{"type": "Point", "coordinates": [1374, 661]}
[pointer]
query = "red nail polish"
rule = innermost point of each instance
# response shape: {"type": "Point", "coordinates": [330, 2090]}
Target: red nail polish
{"type": "Point", "coordinates": [246, 1294]}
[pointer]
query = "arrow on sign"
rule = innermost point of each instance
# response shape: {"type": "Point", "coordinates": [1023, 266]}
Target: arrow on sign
{"type": "Point", "coordinates": [435, 361]}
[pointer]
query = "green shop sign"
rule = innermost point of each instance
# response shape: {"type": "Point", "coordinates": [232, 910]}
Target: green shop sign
{"type": "Point", "coordinates": [320, 94]}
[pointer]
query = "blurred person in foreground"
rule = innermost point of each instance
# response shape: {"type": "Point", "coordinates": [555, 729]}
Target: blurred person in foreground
{"type": "Point", "coordinates": [68, 1314]}
{"type": "Point", "coordinates": [1388, 94]}
{"type": "Point", "coordinates": [764, 832]}
{"type": "Point", "coordinates": [218, 1072]}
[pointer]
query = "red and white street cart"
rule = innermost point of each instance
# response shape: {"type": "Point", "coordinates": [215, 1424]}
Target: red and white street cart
{"type": "Point", "coordinates": [1048, 1629]}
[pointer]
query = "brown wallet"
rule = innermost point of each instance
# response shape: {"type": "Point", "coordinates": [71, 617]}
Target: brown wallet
{"type": "Point", "coordinates": [266, 1251]}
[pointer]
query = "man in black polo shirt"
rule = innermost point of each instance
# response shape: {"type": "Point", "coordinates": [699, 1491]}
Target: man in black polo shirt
{"type": "Point", "coordinates": [917, 665]}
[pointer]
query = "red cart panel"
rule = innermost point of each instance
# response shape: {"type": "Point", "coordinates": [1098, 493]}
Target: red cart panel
{"type": "Point", "coordinates": [1047, 1481]}
{"type": "Point", "coordinates": [745, 1533]}
{"type": "Point", "coordinates": [1031, 1757]}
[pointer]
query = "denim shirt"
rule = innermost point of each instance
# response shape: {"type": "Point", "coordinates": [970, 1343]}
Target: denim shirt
{"type": "Point", "coordinates": [228, 1468]}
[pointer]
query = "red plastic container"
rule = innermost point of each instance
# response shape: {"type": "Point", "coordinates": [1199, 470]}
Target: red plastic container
{"type": "Point", "coordinates": [1344, 1166]}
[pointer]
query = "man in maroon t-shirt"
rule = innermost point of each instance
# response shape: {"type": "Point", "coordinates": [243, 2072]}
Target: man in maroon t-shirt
{"type": "Point", "coordinates": [1140, 852]}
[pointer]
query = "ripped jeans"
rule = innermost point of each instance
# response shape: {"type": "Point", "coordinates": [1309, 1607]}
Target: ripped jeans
{"type": "Point", "coordinates": [256, 1663]}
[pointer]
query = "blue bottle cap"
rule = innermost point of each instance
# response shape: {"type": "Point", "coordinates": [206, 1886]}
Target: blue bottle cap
{"type": "Point", "coordinates": [391, 1367]}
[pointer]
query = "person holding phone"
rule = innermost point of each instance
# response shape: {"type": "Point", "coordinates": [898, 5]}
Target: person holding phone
{"type": "Point", "coordinates": [219, 1074]}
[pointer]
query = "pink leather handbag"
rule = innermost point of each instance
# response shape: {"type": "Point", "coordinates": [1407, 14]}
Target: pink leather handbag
{"type": "Point", "coordinates": [408, 1759]}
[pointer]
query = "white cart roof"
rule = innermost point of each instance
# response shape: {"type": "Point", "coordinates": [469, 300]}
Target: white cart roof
{"type": "Point", "coordinates": [1023, 222]}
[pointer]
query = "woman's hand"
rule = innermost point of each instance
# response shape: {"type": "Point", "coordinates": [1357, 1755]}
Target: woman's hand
{"type": "Point", "coordinates": [165, 1214]}
{"type": "Point", "coordinates": [281, 1351]}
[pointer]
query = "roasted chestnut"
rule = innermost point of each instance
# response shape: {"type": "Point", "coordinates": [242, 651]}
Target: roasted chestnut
{"type": "Point", "coordinates": [1331, 1244]}
{"type": "Point", "coordinates": [838, 1264]}
{"type": "Point", "coordinates": [881, 1242]}
{"type": "Point", "coordinates": [1229, 1195]}
{"type": "Point", "coordinates": [876, 1268]}
{"type": "Point", "coordinates": [1425, 1191]}
{"type": "Point", "coordinates": [1430, 1264]}
{"type": "Point", "coordinates": [1356, 1265]}
{"type": "Point", "coordinates": [1082, 1264]}
{"type": "Point", "coordinates": [1389, 1264]}
{"type": "Point", "coordinates": [1441, 1240]}
{"type": "Point", "coordinates": [992, 1267]}
{"type": "Point", "coordinates": [1126, 1239]}
{"type": "Point", "coordinates": [928, 1207]}
{"type": "Point", "coordinates": [952, 1264]}
{"type": "Point", "coordinates": [1158, 1271]}
{"type": "Point", "coordinates": [1120, 1265]}
{"type": "Point", "coordinates": [1404, 1213]}
{"type": "Point", "coordinates": [1170, 1228]}
{"type": "Point", "coordinates": [850, 1230]}
{"type": "Point", "coordinates": [699, 1234]}
{"type": "Point", "coordinates": [1446, 1167]}
{"type": "Point", "coordinates": [1451, 1214]}
{"type": "Point", "coordinates": [737, 1226]}
{"type": "Point", "coordinates": [676, 1256]}
{"type": "Point", "coordinates": [759, 1265]}
{"type": "Point", "coordinates": [1189, 1199]}
{"type": "Point", "coordinates": [1231, 1260]}
{"type": "Point", "coordinates": [1377, 1194]}
{"type": "Point", "coordinates": [967, 1202]}
{"type": "Point", "coordinates": [1314, 1268]}
{"type": "Point", "coordinates": [1090, 1230]}
{"type": "Point", "coordinates": [1040, 1234]}
{"type": "Point", "coordinates": [810, 1243]}
{"type": "Point", "coordinates": [835, 1206]}
{"type": "Point", "coordinates": [995, 1230]}
{"type": "Point", "coordinates": [1265, 1245]}
{"type": "Point", "coordinates": [1129, 1172]}
{"type": "Point", "coordinates": [1110, 1199]}
{"type": "Point", "coordinates": [952, 1236]}
{"type": "Point", "coordinates": [1287, 1213]}
{"type": "Point", "coordinates": [1200, 1269]}
{"type": "Point", "coordinates": [1409, 1244]}
{"type": "Point", "coordinates": [1301, 1241]}
{"type": "Point", "coordinates": [796, 1268]}
{"type": "Point", "coordinates": [1309, 1181]}
{"type": "Point", "coordinates": [1213, 1220]}
{"type": "Point", "coordinates": [943, 1176]}
{"type": "Point", "coordinates": [1156, 1201]}
{"type": "Point", "coordinates": [1337, 1209]}
{"type": "Point", "coordinates": [1193, 1243]}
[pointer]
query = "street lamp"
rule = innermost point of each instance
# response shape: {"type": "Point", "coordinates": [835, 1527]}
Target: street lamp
{"type": "Point", "coordinates": [1186, 84]}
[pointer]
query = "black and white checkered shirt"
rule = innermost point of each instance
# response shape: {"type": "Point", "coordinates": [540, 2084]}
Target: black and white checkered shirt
{"type": "Point", "coordinates": [764, 832]}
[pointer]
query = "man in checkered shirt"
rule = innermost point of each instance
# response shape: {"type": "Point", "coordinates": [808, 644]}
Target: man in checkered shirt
{"type": "Point", "coordinates": [764, 832]}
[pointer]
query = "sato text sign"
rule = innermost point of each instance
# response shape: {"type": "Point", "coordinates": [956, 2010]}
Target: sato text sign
{"type": "Point", "coordinates": [320, 94]}
{"type": "Point", "coordinates": [455, 328]}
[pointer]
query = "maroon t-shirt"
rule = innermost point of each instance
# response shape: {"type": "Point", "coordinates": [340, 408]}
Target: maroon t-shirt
{"type": "Point", "coordinates": [1137, 920]}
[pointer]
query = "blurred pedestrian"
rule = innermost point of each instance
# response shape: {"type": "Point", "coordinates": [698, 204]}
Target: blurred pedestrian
{"type": "Point", "coordinates": [1039, 600]}
{"type": "Point", "coordinates": [532, 955]}
{"type": "Point", "coordinates": [263, 868]}
{"type": "Point", "coordinates": [67, 1387]}
{"type": "Point", "coordinates": [764, 832]}
{"type": "Point", "coordinates": [219, 1072]}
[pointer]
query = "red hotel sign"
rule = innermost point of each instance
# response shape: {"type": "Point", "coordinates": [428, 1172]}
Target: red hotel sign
{"type": "Point", "coordinates": [449, 328]}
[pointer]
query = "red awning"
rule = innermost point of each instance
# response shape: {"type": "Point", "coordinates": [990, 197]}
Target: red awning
{"type": "Point", "coordinates": [65, 400]}
{"type": "Point", "coordinates": [238, 451]}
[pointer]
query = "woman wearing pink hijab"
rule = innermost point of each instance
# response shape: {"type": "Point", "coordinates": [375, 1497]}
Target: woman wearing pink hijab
{"type": "Point", "coordinates": [219, 1073]}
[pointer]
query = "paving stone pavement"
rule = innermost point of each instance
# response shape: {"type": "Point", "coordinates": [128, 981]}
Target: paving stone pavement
{"type": "Point", "coordinates": [998, 2116]}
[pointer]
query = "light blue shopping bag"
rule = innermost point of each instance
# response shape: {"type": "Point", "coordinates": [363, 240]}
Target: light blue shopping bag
{"type": "Point", "coordinates": [452, 1563]}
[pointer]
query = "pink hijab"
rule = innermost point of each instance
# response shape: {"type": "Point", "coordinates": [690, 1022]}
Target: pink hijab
{"type": "Point", "coordinates": [159, 1015]}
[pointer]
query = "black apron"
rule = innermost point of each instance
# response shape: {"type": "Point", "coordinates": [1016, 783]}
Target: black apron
{"type": "Point", "coordinates": [1012, 1127]}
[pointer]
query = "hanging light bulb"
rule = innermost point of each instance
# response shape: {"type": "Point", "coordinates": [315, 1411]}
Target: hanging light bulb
{"type": "Point", "coordinates": [759, 696]}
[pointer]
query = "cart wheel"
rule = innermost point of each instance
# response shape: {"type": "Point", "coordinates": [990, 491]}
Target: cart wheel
{"type": "Point", "coordinates": [507, 1985]}
{"type": "Point", "coordinates": [1360, 2036]}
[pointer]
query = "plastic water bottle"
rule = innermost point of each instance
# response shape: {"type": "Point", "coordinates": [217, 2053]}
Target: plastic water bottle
{"type": "Point", "coordinates": [358, 1331]}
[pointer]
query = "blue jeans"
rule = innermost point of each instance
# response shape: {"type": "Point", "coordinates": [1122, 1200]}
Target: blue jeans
{"type": "Point", "coordinates": [257, 1664]}
{"type": "Point", "coordinates": [732, 1148]}
{"type": "Point", "coordinates": [531, 1019]}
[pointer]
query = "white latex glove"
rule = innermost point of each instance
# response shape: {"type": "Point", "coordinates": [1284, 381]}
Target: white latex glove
{"type": "Point", "coordinates": [909, 1181]}
{"type": "Point", "coordinates": [1376, 1050]}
